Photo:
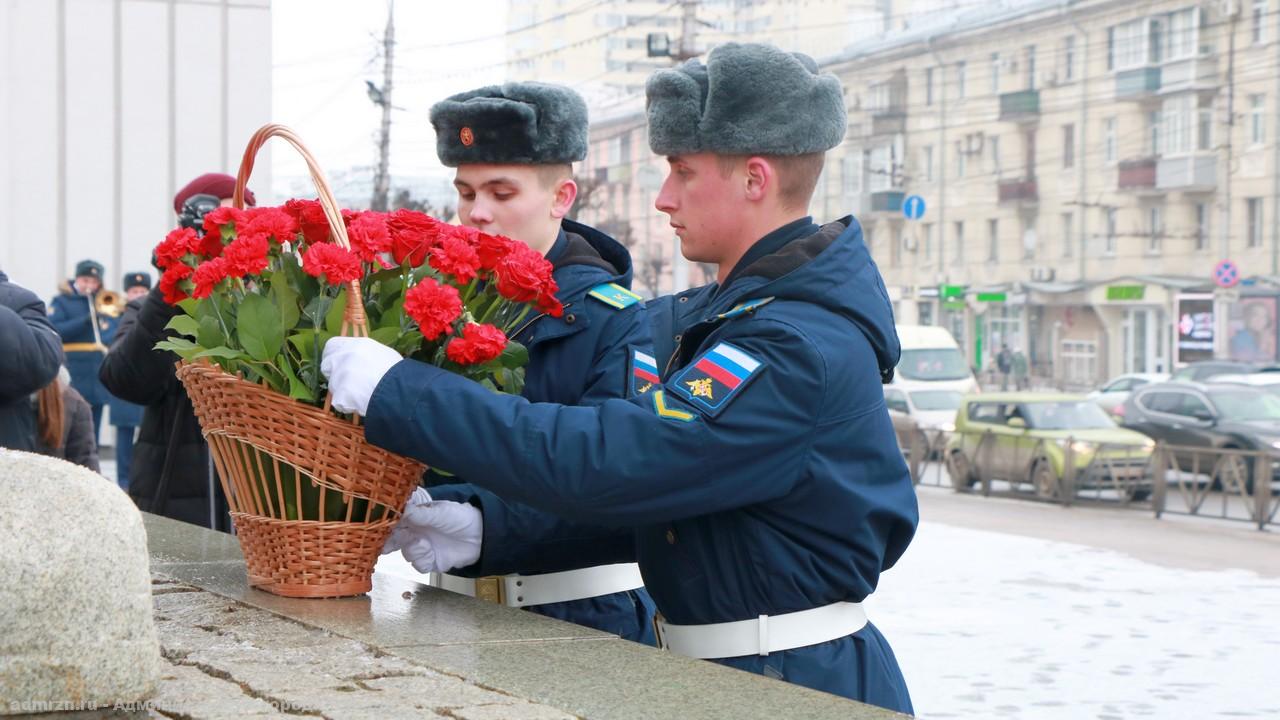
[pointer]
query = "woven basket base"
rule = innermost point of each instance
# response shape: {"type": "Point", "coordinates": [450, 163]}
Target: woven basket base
{"type": "Point", "coordinates": [308, 558]}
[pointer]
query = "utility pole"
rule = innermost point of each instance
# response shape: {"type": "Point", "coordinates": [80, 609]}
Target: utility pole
{"type": "Point", "coordinates": [1224, 180]}
{"type": "Point", "coordinates": [382, 181]}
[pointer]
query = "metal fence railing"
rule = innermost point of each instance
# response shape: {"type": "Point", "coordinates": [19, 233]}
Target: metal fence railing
{"type": "Point", "coordinates": [1227, 483]}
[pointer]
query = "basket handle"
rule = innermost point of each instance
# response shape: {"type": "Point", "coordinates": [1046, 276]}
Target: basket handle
{"type": "Point", "coordinates": [354, 323]}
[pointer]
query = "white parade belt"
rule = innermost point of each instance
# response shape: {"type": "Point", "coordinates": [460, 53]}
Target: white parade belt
{"type": "Point", "coordinates": [762, 635]}
{"type": "Point", "coordinates": [528, 590]}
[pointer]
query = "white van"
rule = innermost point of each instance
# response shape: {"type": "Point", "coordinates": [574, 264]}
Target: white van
{"type": "Point", "coordinates": [932, 360]}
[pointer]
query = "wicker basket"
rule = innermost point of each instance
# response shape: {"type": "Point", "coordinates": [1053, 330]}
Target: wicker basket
{"type": "Point", "coordinates": [275, 454]}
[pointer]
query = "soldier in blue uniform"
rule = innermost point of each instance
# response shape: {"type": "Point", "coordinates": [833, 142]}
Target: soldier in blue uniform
{"type": "Point", "coordinates": [760, 476]}
{"type": "Point", "coordinates": [127, 416]}
{"type": "Point", "coordinates": [513, 146]}
{"type": "Point", "coordinates": [85, 333]}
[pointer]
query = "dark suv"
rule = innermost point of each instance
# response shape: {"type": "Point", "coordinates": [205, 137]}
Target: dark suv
{"type": "Point", "coordinates": [1207, 415]}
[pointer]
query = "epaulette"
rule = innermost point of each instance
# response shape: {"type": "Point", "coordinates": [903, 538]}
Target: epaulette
{"type": "Point", "coordinates": [614, 295]}
{"type": "Point", "coordinates": [743, 308]}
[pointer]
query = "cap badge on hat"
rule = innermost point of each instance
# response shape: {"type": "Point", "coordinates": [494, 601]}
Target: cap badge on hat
{"type": "Point", "coordinates": [466, 137]}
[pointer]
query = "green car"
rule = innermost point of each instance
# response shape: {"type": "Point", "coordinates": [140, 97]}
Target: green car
{"type": "Point", "coordinates": [1023, 437]}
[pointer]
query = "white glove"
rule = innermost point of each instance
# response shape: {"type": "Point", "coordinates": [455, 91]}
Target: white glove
{"type": "Point", "coordinates": [401, 534]}
{"type": "Point", "coordinates": [354, 367]}
{"type": "Point", "coordinates": [443, 535]}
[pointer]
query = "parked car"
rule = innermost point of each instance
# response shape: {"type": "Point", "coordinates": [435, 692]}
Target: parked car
{"type": "Point", "coordinates": [1214, 416]}
{"type": "Point", "coordinates": [1111, 397]}
{"type": "Point", "coordinates": [1029, 434]}
{"type": "Point", "coordinates": [1206, 369]}
{"type": "Point", "coordinates": [932, 359]}
{"type": "Point", "coordinates": [1264, 380]}
{"type": "Point", "coordinates": [921, 415]}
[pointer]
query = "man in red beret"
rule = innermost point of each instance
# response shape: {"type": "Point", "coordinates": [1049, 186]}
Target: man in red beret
{"type": "Point", "coordinates": [218, 185]}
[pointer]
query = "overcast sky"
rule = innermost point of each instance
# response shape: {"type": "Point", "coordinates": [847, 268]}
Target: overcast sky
{"type": "Point", "coordinates": [324, 51]}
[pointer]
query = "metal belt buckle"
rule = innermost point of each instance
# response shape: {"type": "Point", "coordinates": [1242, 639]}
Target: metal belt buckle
{"type": "Point", "coordinates": [490, 589]}
{"type": "Point", "coordinates": [658, 622]}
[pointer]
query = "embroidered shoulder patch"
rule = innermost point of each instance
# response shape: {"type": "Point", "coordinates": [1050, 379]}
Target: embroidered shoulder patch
{"type": "Point", "coordinates": [715, 377]}
{"type": "Point", "coordinates": [644, 373]}
{"type": "Point", "coordinates": [664, 410]}
{"type": "Point", "coordinates": [743, 308]}
{"type": "Point", "coordinates": [614, 295]}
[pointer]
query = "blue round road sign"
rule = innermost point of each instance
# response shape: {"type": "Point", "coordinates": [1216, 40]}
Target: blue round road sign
{"type": "Point", "coordinates": [913, 207]}
{"type": "Point", "coordinates": [1226, 274]}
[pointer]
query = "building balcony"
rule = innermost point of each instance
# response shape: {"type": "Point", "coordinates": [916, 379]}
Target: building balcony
{"type": "Point", "coordinates": [885, 201]}
{"type": "Point", "coordinates": [1138, 84]}
{"type": "Point", "coordinates": [1188, 173]}
{"type": "Point", "coordinates": [889, 123]}
{"type": "Point", "coordinates": [1022, 106]}
{"type": "Point", "coordinates": [1138, 174]}
{"type": "Point", "coordinates": [1198, 73]}
{"type": "Point", "coordinates": [1020, 191]}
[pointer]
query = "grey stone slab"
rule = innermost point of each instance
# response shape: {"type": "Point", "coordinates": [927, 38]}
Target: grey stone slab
{"type": "Point", "coordinates": [621, 680]}
{"type": "Point", "coordinates": [175, 541]}
{"type": "Point", "coordinates": [185, 691]}
{"type": "Point", "coordinates": [395, 612]}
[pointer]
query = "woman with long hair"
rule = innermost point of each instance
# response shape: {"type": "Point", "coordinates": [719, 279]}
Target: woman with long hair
{"type": "Point", "coordinates": [64, 423]}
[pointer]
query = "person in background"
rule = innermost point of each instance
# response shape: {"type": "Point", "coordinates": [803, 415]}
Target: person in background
{"type": "Point", "coordinates": [64, 423]}
{"type": "Point", "coordinates": [171, 473]}
{"type": "Point", "coordinates": [85, 332]}
{"type": "Point", "coordinates": [127, 416]}
{"type": "Point", "coordinates": [32, 354]}
{"type": "Point", "coordinates": [1021, 373]}
{"type": "Point", "coordinates": [1004, 363]}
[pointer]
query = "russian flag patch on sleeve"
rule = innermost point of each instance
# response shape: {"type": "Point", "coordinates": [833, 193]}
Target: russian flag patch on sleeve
{"type": "Point", "coordinates": [715, 377]}
{"type": "Point", "coordinates": [644, 373]}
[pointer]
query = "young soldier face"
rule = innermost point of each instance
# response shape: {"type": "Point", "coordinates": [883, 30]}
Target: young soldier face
{"type": "Point", "coordinates": [523, 202]}
{"type": "Point", "coordinates": [706, 205]}
{"type": "Point", "coordinates": [86, 285]}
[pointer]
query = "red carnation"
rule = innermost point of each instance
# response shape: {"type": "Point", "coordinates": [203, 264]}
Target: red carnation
{"type": "Point", "coordinates": [208, 275]}
{"type": "Point", "coordinates": [247, 254]}
{"type": "Point", "coordinates": [176, 244]}
{"type": "Point", "coordinates": [270, 222]}
{"type": "Point", "coordinates": [433, 306]}
{"type": "Point", "coordinates": [368, 234]}
{"type": "Point", "coordinates": [169, 282]}
{"type": "Point", "coordinates": [477, 345]}
{"type": "Point", "coordinates": [524, 275]}
{"type": "Point", "coordinates": [413, 234]}
{"type": "Point", "coordinates": [492, 248]}
{"type": "Point", "coordinates": [210, 245]}
{"type": "Point", "coordinates": [309, 214]}
{"type": "Point", "coordinates": [219, 216]}
{"type": "Point", "coordinates": [455, 257]}
{"type": "Point", "coordinates": [336, 264]}
{"type": "Point", "coordinates": [549, 303]}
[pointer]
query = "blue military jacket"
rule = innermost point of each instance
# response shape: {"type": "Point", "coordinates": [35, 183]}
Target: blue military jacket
{"type": "Point", "coordinates": [761, 476]}
{"type": "Point", "coordinates": [69, 314]}
{"type": "Point", "coordinates": [580, 358]}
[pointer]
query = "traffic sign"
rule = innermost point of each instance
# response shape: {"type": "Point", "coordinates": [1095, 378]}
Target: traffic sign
{"type": "Point", "coordinates": [913, 207]}
{"type": "Point", "coordinates": [1226, 274]}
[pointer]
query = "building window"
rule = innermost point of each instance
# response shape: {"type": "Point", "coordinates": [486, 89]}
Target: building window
{"type": "Point", "coordinates": [1068, 145]}
{"type": "Point", "coordinates": [959, 236]}
{"type": "Point", "coordinates": [1111, 49]}
{"type": "Point", "coordinates": [1181, 41]}
{"type": "Point", "coordinates": [1069, 58]}
{"type": "Point", "coordinates": [1068, 237]}
{"type": "Point", "coordinates": [1153, 133]}
{"type": "Point", "coordinates": [993, 241]}
{"type": "Point", "coordinates": [1258, 32]}
{"type": "Point", "coordinates": [1031, 67]}
{"type": "Point", "coordinates": [1079, 361]}
{"type": "Point", "coordinates": [1257, 130]}
{"type": "Point", "coordinates": [995, 73]}
{"type": "Point", "coordinates": [1109, 141]}
{"type": "Point", "coordinates": [960, 80]}
{"type": "Point", "coordinates": [928, 242]}
{"type": "Point", "coordinates": [1176, 131]}
{"type": "Point", "coordinates": [928, 163]}
{"type": "Point", "coordinates": [1109, 225]}
{"type": "Point", "coordinates": [928, 86]}
{"type": "Point", "coordinates": [1253, 214]}
{"type": "Point", "coordinates": [1030, 242]}
{"type": "Point", "coordinates": [1202, 226]}
{"type": "Point", "coordinates": [1204, 129]}
{"type": "Point", "coordinates": [1127, 45]}
{"type": "Point", "coordinates": [994, 140]}
{"type": "Point", "coordinates": [960, 161]}
{"type": "Point", "coordinates": [1155, 228]}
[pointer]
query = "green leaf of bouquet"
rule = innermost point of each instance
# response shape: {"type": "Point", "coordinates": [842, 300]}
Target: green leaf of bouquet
{"type": "Point", "coordinates": [183, 325]}
{"type": "Point", "coordinates": [333, 318]}
{"type": "Point", "coordinates": [182, 346]}
{"type": "Point", "coordinates": [259, 328]}
{"type": "Point", "coordinates": [298, 390]}
{"type": "Point", "coordinates": [305, 342]}
{"type": "Point", "coordinates": [391, 316]}
{"type": "Point", "coordinates": [210, 333]}
{"type": "Point", "coordinates": [189, 305]}
{"type": "Point", "coordinates": [514, 356]}
{"type": "Point", "coordinates": [386, 335]}
{"type": "Point", "coordinates": [285, 298]}
{"type": "Point", "coordinates": [222, 351]}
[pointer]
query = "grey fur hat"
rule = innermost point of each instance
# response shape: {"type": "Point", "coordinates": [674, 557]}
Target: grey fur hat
{"type": "Point", "coordinates": [526, 123]}
{"type": "Point", "coordinates": [749, 99]}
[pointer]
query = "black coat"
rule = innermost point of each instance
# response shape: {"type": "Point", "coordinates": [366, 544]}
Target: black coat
{"type": "Point", "coordinates": [135, 371]}
{"type": "Point", "coordinates": [30, 355]}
